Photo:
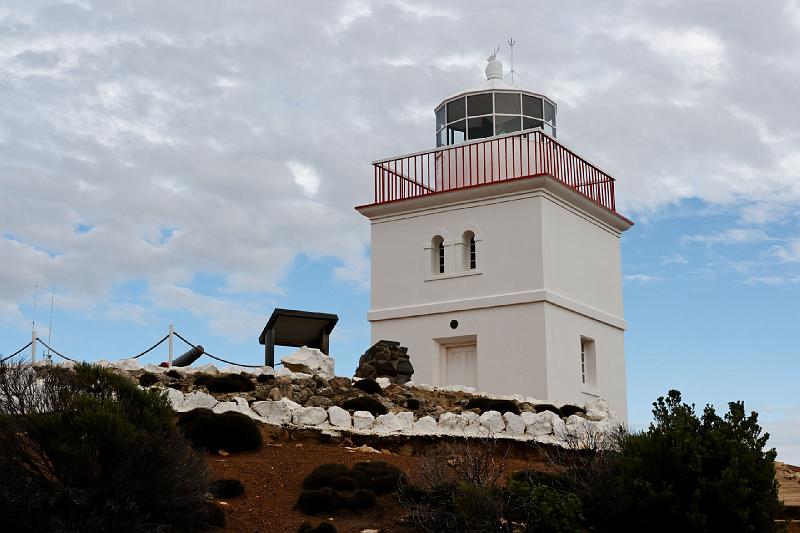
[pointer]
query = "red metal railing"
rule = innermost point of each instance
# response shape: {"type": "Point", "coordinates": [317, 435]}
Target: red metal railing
{"type": "Point", "coordinates": [518, 155]}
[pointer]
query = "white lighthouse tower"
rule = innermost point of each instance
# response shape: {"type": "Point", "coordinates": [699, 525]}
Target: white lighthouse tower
{"type": "Point", "coordinates": [496, 256]}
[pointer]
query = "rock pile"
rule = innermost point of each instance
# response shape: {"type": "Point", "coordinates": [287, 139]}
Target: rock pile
{"type": "Point", "coordinates": [386, 359]}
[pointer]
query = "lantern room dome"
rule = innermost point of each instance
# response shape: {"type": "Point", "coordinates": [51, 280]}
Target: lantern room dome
{"type": "Point", "coordinates": [496, 108]}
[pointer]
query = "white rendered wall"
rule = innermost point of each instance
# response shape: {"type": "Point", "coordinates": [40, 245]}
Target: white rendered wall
{"type": "Point", "coordinates": [548, 272]}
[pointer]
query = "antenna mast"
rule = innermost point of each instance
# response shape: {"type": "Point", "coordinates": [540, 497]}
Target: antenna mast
{"type": "Point", "coordinates": [511, 43]}
{"type": "Point", "coordinates": [50, 327]}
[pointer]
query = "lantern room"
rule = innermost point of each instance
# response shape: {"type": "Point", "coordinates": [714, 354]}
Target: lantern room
{"type": "Point", "coordinates": [495, 109]}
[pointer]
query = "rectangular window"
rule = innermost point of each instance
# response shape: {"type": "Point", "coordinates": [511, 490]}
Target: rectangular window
{"type": "Point", "coordinates": [478, 128]}
{"type": "Point", "coordinates": [507, 103]}
{"type": "Point", "coordinates": [588, 364]}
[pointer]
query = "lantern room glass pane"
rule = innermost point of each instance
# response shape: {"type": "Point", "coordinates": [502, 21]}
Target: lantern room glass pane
{"type": "Point", "coordinates": [479, 104]}
{"type": "Point", "coordinates": [549, 113]}
{"type": "Point", "coordinates": [440, 118]}
{"type": "Point", "coordinates": [507, 124]}
{"type": "Point", "coordinates": [550, 129]}
{"type": "Point", "coordinates": [456, 110]}
{"type": "Point", "coordinates": [481, 127]}
{"type": "Point", "coordinates": [456, 132]}
{"type": "Point", "coordinates": [531, 106]}
{"type": "Point", "coordinates": [440, 137]}
{"type": "Point", "coordinates": [507, 103]}
{"type": "Point", "coordinates": [530, 123]}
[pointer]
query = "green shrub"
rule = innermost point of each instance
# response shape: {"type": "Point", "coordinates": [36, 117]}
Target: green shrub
{"type": "Point", "coordinates": [541, 507]}
{"type": "Point", "coordinates": [488, 404]}
{"type": "Point", "coordinates": [226, 488]}
{"type": "Point", "coordinates": [231, 431]}
{"type": "Point", "coordinates": [368, 385]}
{"type": "Point", "coordinates": [147, 379]}
{"type": "Point", "coordinates": [330, 488]}
{"type": "Point", "coordinates": [365, 403]}
{"type": "Point", "coordinates": [225, 383]}
{"type": "Point", "coordinates": [542, 407]}
{"type": "Point", "coordinates": [88, 451]}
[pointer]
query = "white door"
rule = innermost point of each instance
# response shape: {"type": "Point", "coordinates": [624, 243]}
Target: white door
{"type": "Point", "coordinates": [460, 366]}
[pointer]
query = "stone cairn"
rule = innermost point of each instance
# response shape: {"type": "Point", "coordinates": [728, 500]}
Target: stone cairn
{"type": "Point", "coordinates": [386, 359]}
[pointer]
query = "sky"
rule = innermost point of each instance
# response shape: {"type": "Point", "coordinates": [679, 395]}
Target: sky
{"type": "Point", "coordinates": [197, 163]}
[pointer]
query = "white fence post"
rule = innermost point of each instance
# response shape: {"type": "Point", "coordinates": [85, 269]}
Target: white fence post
{"type": "Point", "coordinates": [171, 332]}
{"type": "Point", "coordinates": [33, 346]}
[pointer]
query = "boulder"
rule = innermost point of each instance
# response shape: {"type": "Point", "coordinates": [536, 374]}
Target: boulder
{"type": "Point", "coordinates": [153, 369]}
{"type": "Point", "coordinates": [598, 409]}
{"type": "Point", "coordinates": [128, 364]}
{"type": "Point", "coordinates": [452, 423]}
{"type": "Point", "coordinates": [276, 412]}
{"type": "Point", "coordinates": [383, 382]}
{"type": "Point", "coordinates": [473, 424]}
{"type": "Point", "coordinates": [386, 359]}
{"type": "Point", "coordinates": [309, 361]}
{"type": "Point", "coordinates": [339, 417]}
{"type": "Point", "coordinates": [514, 424]}
{"type": "Point", "coordinates": [493, 422]}
{"type": "Point", "coordinates": [539, 424]}
{"type": "Point", "coordinates": [309, 416]}
{"type": "Point", "coordinates": [388, 423]}
{"type": "Point", "coordinates": [363, 420]}
{"type": "Point", "coordinates": [426, 425]}
{"type": "Point", "coordinates": [175, 398]}
{"type": "Point", "coordinates": [238, 405]}
{"type": "Point", "coordinates": [197, 399]}
{"type": "Point", "coordinates": [406, 418]}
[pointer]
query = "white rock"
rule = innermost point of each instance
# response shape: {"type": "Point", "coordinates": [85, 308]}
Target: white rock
{"type": "Point", "coordinates": [426, 424]}
{"type": "Point", "coordinates": [224, 407]}
{"type": "Point", "coordinates": [103, 363]}
{"type": "Point", "coordinates": [175, 398]}
{"type": "Point", "coordinates": [309, 416]}
{"type": "Point", "coordinates": [310, 361]}
{"type": "Point", "coordinates": [285, 372]}
{"type": "Point", "coordinates": [458, 388]}
{"type": "Point", "coordinates": [493, 421]}
{"type": "Point", "coordinates": [406, 419]}
{"type": "Point", "coordinates": [388, 423]}
{"type": "Point", "coordinates": [452, 423]}
{"type": "Point", "coordinates": [206, 369]}
{"type": "Point", "coordinates": [196, 400]}
{"type": "Point", "coordinates": [425, 387]}
{"type": "Point", "coordinates": [276, 412]}
{"type": "Point", "coordinates": [154, 369]}
{"type": "Point", "coordinates": [236, 369]}
{"type": "Point", "coordinates": [128, 364]}
{"type": "Point", "coordinates": [539, 424]}
{"type": "Point", "coordinates": [577, 426]}
{"type": "Point", "coordinates": [339, 417]}
{"type": "Point", "coordinates": [383, 382]}
{"type": "Point", "coordinates": [597, 409]}
{"type": "Point", "coordinates": [409, 384]}
{"type": "Point", "coordinates": [514, 424]}
{"type": "Point", "coordinates": [363, 420]}
{"type": "Point", "coordinates": [238, 405]}
{"type": "Point", "coordinates": [473, 426]}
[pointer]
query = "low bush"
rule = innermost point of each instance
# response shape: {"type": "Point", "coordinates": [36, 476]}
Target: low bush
{"type": "Point", "coordinates": [89, 451]}
{"type": "Point", "coordinates": [368, 385]}
{"type": "Point", "coordinates": [174, 374]}
{"type": "Point", "coordinates": [216, 516]}
{"type": "Point", "coordinates": [232, 432]}
{"type": "Point", "coordinates": [412, 403]}
{"type": "Point", "coordinates": [569, 410]}
{"type": "Point", "coordinates": [542, 407]}
{"type": "Point", "coordinates": [265, 378]}
{"type": "Point", "coordinates": [488, 404]}
{"type": "Point", "coordinates": [226, 488]}
{"type": "Point", "coordinates": [147, 379]}
{"type": "Point", "coordinates": [365, 403]}
{"type": "Point", "coordinates": [333, 487]}
{"type": "Point", "coordinates": [225, 383]}
{"type": "Point", "coordinates": [322, 527]}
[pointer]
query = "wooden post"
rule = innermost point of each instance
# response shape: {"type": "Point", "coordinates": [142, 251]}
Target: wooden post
{"type": "Point", "coordinates": [324, 343]}
{"type": "Point", "coordinates": [171, 332]}
{"type": "Point", "coordinates": [269, 348]}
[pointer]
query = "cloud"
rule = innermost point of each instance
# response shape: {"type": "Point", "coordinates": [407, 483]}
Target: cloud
{"type": "Point", "coordinates": [248, 131]}
{"type": "Point", "coordinates": [730, 236]}
{"type": "Point", "coordinates": [640, 278]}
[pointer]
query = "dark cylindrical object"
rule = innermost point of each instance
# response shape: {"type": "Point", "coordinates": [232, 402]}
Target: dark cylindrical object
{"type": "Point", "coordinates": [189, 357]}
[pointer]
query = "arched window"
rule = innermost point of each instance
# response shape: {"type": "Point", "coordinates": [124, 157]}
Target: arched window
{"type": "Point", "coordinates": [470, 259]}
{"type": "Point", "coordinates": [437, 255]}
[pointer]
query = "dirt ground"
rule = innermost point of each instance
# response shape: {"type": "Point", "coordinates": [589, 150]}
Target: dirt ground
{"type": "Point", "coordinates": [273, 477]}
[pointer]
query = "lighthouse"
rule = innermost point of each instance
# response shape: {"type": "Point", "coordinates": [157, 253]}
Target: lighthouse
{"type": "Point", "coordinates": [496, 255]}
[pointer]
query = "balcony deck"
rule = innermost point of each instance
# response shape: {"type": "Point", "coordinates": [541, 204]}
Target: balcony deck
{"type": "Point", "coordinates": [514, 156]}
